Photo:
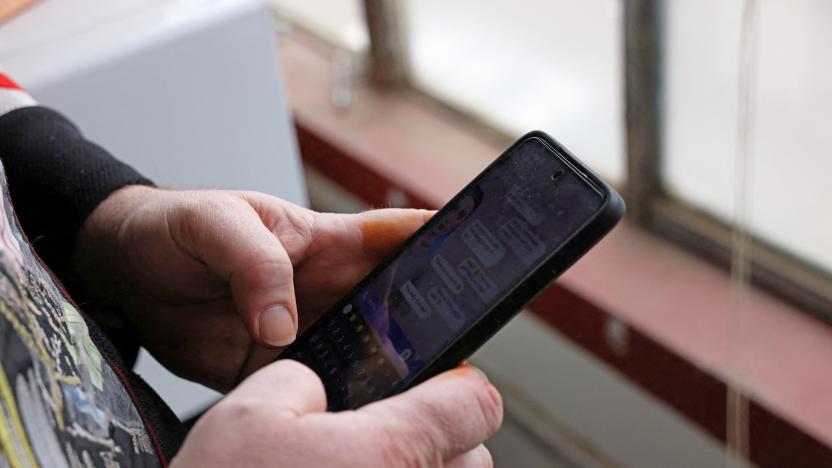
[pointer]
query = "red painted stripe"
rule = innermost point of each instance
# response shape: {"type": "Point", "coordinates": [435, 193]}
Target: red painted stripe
{"type": "Point", "coordinates": [368, 184]}
{"type": "Point", "coordinates": [698, 395]}
{"type": "Point", "coordinates": [6, 82]}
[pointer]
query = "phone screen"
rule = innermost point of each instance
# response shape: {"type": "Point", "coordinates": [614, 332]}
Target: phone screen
{"type": "Point", "coordinates": [472, 253]}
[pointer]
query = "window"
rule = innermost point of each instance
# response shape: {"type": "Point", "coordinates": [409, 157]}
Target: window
{"type": "Point", "coordinates": [559, 66]}
{"type": "Point", "coordinates": [744, 66]}
{"type": "Point", "coordinates": [711, 118]}
{"type": "Point", "coordinates": [789, 131]}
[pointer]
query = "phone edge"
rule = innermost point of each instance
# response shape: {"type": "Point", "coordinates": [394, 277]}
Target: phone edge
{"type": "Point", "coordinates": [591, 233]}
{"type": "Point", "coordinates": [608, 215]}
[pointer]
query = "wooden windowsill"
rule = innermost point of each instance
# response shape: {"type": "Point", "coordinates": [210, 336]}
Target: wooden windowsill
{"type": "Point", "coordinates": [687, 333]}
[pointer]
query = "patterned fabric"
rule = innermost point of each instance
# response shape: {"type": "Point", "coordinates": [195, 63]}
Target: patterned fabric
{"type": "Point", "coordinates": [61, 402]}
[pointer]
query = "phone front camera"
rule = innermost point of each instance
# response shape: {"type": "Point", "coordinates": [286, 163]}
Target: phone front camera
{"type": "Point", "coordinates": [557, 175]}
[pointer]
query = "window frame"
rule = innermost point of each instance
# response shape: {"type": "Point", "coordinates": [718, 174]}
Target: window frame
{"type": "Point", "coordinates": [653, 208]}
{"type": "Point", "coordinates": [650, 206]}
{"type": "Point", "coordinates": [674, 357]}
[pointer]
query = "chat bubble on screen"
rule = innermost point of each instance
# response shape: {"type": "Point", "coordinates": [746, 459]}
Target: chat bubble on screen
{"type": "Point", "coordinates": [525, 208]}
{"type": "Point", "coordinates": [478, 279]}
{"type": "Point", "coordinates": [445, 306]}
{"type": "Point", "coordinates": [521, 240]}
{"type": "Point", "coordinates": [415, 300]}
{"type": "Point", "coordinates": [484, 245]}
{"type": "Point", "coordinates": [446, 272]}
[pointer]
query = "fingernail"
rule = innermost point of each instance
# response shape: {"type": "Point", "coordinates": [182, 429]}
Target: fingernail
{"type": "Point", "coordinates": [476, 370]}
{"type": "Point", "coordinates": [277, 327]}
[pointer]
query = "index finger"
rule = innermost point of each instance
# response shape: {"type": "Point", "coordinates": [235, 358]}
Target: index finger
{"type": "Point", "coordinates": [447, 415]}
{"type": "Point", "coordinates": [383, 230]}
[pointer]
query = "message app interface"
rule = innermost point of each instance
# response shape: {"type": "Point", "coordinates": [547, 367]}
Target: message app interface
{"type": "Point", "coordinates": [477, 249]}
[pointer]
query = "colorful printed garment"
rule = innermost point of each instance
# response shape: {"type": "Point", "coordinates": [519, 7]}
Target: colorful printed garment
{"type": "Point", "coordinates": [67, 399]}
{"type": "Point", "coordinates": [62, 404]}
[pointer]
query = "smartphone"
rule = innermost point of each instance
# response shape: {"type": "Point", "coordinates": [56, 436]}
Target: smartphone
{"type": "Point", "coordinates": [460, 278]}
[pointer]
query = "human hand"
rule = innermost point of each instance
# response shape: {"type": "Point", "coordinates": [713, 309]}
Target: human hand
{"type": "Point", "coordinates": [211, 282]}
{"type": "Point", "coordinates": [276, 418]}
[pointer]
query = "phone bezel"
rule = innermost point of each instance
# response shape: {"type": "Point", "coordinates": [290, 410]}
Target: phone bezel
{"type": "Point", "coordinates": [561, 258]}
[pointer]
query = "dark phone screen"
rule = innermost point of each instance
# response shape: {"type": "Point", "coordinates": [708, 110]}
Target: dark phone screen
{"type": "Point", "coordinates": [474, 251]}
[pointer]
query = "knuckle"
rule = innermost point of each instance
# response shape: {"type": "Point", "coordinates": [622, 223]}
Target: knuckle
{"type": "Point", "coordinates": [187, 214]}
{"type": "Point", "coordinates": [282, 268]}
{"type": "Point", "coordinates": [404, 442]}
{"type": "Point", "coordinates": [273, 272]}
{"type": "Point", "coordinates": [299, 371]}
{"type": "Point", "coordinates": [486, 460]}
{"type": "Point", "coordinates": [398, 451]}
{"type": "Point", "coordinates": [490, 406]}
{"type": "Point", "coordinates": [300, 225]}
{"type": "Point", "coordinates": [236, 408]}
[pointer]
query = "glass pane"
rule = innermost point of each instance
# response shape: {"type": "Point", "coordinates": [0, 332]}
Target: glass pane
{"type": "Point", "coordinates": [790, 134]}
{"type": "Point", "coordinates": [530, 64]}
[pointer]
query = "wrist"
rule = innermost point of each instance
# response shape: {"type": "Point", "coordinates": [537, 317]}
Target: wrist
{"type": "Point", "coordinates": [108, 219]}
{"type": "Point", "coordinates": [97, 247]}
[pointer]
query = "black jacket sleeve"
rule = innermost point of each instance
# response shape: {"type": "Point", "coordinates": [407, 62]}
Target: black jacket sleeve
{"type": "Point", "coordinates": [56, 178]}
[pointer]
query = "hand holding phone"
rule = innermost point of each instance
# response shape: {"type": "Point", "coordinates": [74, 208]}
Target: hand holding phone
{"type": "Point", "coordinates": [276, 418]}
{"type": "Point", "coordinates": [510, 232]}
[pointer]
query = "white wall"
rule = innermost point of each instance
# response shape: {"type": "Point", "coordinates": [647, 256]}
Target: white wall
{"type": "Point", "coordinates": [188, 92]}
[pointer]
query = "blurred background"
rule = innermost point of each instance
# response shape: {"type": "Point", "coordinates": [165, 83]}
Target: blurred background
{"type": "Point", "coordinates": [696, 335]}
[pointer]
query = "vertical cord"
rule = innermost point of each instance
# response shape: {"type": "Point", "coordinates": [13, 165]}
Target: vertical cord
{"type": "Point", "coordinates": [737, 402]}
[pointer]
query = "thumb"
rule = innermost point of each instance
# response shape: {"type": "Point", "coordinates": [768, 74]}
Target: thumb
{"type": "Point", "coordinates": [291, 388]}
{"type": "Point", "coordinates": [449, 414]}
{"type": "Point", "coordinates": [231, 239]}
